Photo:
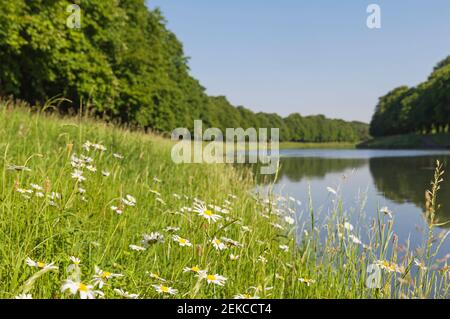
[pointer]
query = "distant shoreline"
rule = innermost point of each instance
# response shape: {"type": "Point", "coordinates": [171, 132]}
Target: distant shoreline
{"type": "Point", "coordinates": [409, 141]}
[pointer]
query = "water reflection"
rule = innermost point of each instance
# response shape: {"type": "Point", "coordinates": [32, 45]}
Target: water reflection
{"type": "Point", "coordinates": [401, 180]}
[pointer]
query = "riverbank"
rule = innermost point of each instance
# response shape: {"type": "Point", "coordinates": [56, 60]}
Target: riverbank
{"type": "Point", "coordinates": [409, 141]}
{"type": "Point", "coordinates": [90, 210]}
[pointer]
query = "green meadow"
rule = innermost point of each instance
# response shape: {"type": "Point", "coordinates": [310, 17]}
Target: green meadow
{"type": "Point", "coordinates": [88, 210]}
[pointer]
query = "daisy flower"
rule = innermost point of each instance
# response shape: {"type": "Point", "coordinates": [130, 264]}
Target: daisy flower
{"type": "Point", "coordinates": [206, 213]}
{"type": "Point", "coordinates": [136, 248]}
{"type": "Point", "coordinates": [129, 200]}
{"type": "Point", "coordinates": [24, 296]}
{"type": "Point", "coordinates": [194, 269]}
{"type": "Point", "coordinates": [75, 265]}
{"type": "Point", "coordinates": [234, 257]}
{"type": "Point", "coordinates": [78, 175]}
{"type": "Point", "coordinates": [39, 264]}
{"type": "Point", "coordinates": [348, 226]}
{"type": "Point", "coordinates": [85, 291]}
{"type": "Point", "coordinates": [231, 242]}
{"type": "Point", "coordinates": [118, 156]}
{"type": "Point", "coordinates": [389, 266]}
{"type": "Point", "coordinates": [105, 173]}
{"type": "Point", "coordinates": [171, 229]}
{"type": "Point", "coordinates": [157, 277]}
{"type": "Point", "coordinates": [125, 294]}
{"type": "Point", "coordinates": [165, 290]}
{"type": "Point", "coordinates": [289, 220]}
{"type": "Point", "coordinates": [118, 210]}
{"type": "Point", "coordinates": [386, 211]}
{"type": "Point", "coordinates": [36, 187]}
{"type": "Point", "coordinates": [218, 244]}
{"type": "Point", "coordinates": [152, 238]}
{"type": "Point", "coordinates": [262, 259]}
{"type": "Point", "coordinates": [284, 248]}
{"type": "Point", "coordinates": [215, 279]}
{"type": "Point", "coordinates": [101, 277]}
{"type": "Point", "coordinates": [355, 239]}
{"type": "Point", "coordinates": [307, 281]}
{"type": "Point", "coordinates": [181, 241]}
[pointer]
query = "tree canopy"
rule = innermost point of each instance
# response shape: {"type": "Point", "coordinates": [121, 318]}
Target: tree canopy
{"type": "Point", "coordinates": [125, 65]}
{"type": "Point", "coordinates": [421, 109]}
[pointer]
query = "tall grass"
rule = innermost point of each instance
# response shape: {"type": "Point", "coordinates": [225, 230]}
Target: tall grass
{"type": "Point", "coordinates": [75, 218]}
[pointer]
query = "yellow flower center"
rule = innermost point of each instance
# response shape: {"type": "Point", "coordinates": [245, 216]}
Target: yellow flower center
{"type": "Point", "coordinates": [40, 264]}
{"type": "Point", "coordinates": [211, 277]}
{"type": "Point", "coordinates": [209, 213]}
{"type": "Point", "coordinates": [106, 274]}
{"type": "Point", "coordinates": [195, 269]}
{"type": "Point", "coordinates": [165, 289]}
{"type": "Point", "coordinates": [182, 241]}
{"type": "Point", "coordinates": [217, 242]}
{"type": "Point", "coordinates": [83, 287]}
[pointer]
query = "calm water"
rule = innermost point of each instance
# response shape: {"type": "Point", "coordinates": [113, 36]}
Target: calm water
{"type": "Point", "coordinates": [396, 179]}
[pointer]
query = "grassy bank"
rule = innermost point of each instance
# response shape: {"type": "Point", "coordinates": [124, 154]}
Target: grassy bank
{"type": "Point", "coordinates": [410, 141]}
{"type": "Point", "coordinates": [116, 218]}
{"type": "Point", "coordinates": [330, 145]}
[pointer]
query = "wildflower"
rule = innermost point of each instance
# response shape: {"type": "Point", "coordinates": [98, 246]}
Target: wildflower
{"type": "Point", "coordinates": [234, 257]}
{"type": "Point", "coordinates": [389, 266]}
{"type": "Point", "coordinates": [419, 264]}
{"type": "Point", "coordinates": [289, 220]}
{"type": "Point", "coordinates": [125, 294]}
{"type": "Point", "coordinates": [24, 296]}
{"type": "Point", "coordinates": [36, 187]}
{"type": "Point", "coordinates": [137, 248]}
{"type": "Point", "coordinates": [87, 146]}
{"type": "Point", "coordinates": [39, 194]}
{"type": "Point", "coordinates": [214, 279]}
{"type": "Point", "coordinates": [348, 226]}
{"type": "Point", "coordinates": [105, 173]}
{"type": "Point", "coordinates": [246, 229]}
{"type": "Point", "coordinates": [165, 290]}
{"type": "Point", "coordinates": [386, 211]}
{"type": "Point", "coordinates": [331, 190]}
{"type": "Point", "coordinates": [85, 291]}
{"type": "Point", "coordinates": [277, 226]}
{"type": "Point", "coordinates": [284, 248]}
{"type": "Point", "coordinates": [99, 147]}
{"type": "Point", "coordinates": [78, 175]}
{"type": "Point", "coordinates": [261, 259]}
{"type": "Point", "coordinates": [206, 213]}
{"type": "Point", "coordinates": [129, 200]}
{"type": "Point", "coordinates": [218, 244]}
{"type": "Point", "coordinates": [118, 210]}
{"type": "Point", "coordinates": [231, 242]}
{"type": "Point", "coordinates": [194, 269]}
{"type": "Point", "coordinates": [118, 156]}
{"type": "Point", "coordinates": [76, 262]}
{"type": "Point", "coordinates": [81, 190]}
{"type": "Point", "coordinates": [157, 277]}
{"type": "Point", "coordinates": [355, 239]}
{"type": "Point", "coordinates": [171, 229]}
{"type": "Point", "coordinates": [101, 277]}
{"type": "Point", "coordinates": [307, 281]}
{"type": "Point", "coordinates": [245, 296]}
{"type": "Point", "coordinates": [153, 238]}
{"type": "Point", "coordinates": [39, 264]}
{"type": "Point", "coordinates": [181, 241]}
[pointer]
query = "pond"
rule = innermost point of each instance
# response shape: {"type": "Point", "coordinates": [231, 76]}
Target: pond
{"type": "Point", "coordinates": [367, 180]}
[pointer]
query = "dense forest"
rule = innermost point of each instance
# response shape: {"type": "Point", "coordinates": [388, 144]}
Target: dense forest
{"type": "Point", "coordinates": [124, 65]}
{"type": "Point", "coordinates": [422, 109]}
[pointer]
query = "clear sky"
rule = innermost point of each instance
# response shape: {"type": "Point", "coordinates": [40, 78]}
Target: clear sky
{"type": "Point", "coordinates": [311, 57]}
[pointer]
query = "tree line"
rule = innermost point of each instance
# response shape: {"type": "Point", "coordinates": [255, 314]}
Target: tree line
{"type": "Point", "coordinates": [125, 65]}
{"type": "Point", "coordinates": [422, 109]}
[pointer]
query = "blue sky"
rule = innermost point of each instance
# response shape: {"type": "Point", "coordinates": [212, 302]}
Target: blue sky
{"type": "Point", "coordinates": [311, 57]}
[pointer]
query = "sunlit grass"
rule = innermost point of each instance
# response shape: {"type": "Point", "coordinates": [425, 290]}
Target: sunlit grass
{"type": "Point", "coordinates": [139, 226]}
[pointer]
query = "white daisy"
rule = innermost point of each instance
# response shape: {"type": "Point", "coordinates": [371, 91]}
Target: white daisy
{"type": "Point", "coordinates": [152, 238]}
{"type": "Point", "coordinates": [218, 244]}
{"type": "Point", "coordinates": [125, 294]}
{"type": "Point", "coordinates": [214, 279]}
{"type": "Point", "coordinates": [181, 241]}
{"type": "Point", "coordinates": [85, 291]}
{"type": "Point", "coordinates": [206, 213]}
{"type": "Point", "coordinates": [165, 290]}
{"type": "Point", "coordinates": [101, 277]}
{"type": "Point", "coordinates": [136, 248]}
{"type": "Point", "coordinates": [78, 175]}
{"type": "Point", "coordinates": [129, 200]}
